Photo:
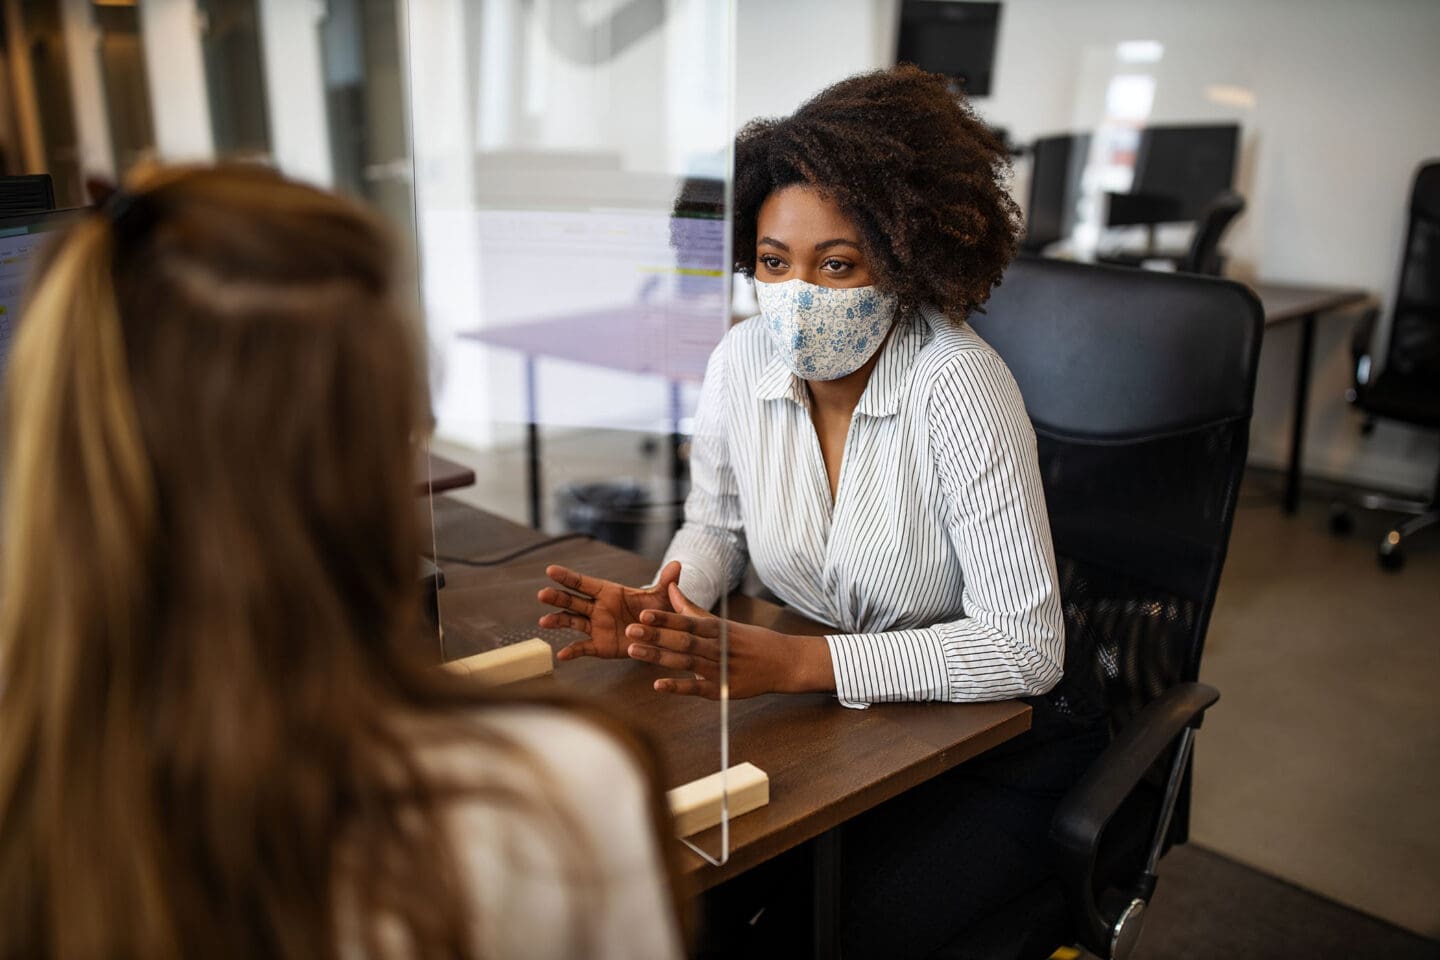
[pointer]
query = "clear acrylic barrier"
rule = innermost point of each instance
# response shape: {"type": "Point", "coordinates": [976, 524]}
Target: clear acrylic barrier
{"type": "Point", "coordinates": [571, 172]}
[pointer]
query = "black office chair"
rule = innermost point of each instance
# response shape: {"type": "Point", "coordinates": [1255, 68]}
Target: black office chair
{"type": "Point", "coordinates": [1139, 385]}
{"type": "Point", "coordinates": [1203, 255]}
{"type": "Point", "coordinates": [1407, 387]}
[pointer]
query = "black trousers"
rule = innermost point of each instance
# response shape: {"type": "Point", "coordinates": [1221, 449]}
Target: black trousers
{"type": "Point", "coordinates": [919, 870]}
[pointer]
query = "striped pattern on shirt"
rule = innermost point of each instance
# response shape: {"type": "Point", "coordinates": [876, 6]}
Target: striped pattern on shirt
{"type": "Point", "coordinates": [934, 563]}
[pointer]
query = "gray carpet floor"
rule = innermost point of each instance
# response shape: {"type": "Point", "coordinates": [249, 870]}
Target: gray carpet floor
{"type": "Point", "coordinates": [1321, 762]}
{"type": "Point", "coordinates": [1208, 907]}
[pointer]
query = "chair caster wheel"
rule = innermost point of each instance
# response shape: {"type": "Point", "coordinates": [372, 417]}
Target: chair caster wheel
{"type": "Point", "coordinates": [1391, 559]}
{"type": "Point", "coordinates": [1342, 524]}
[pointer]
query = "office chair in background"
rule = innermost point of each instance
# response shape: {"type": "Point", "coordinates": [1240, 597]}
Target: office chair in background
{"type": "Point", "coordinates": [1142, 447]}
{"type": "Point", "coordinates": [33, 193]}
{"type": "Point", "coordinates": [1203, 255]}
{"type": "Point", "coordinates": [1407, 387]}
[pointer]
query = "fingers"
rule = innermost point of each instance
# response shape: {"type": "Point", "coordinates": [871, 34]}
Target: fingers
{"type": "Point", "coordinates": [708, 689]}
{"type": "Point", "coordinates": [578, 649]}
{"type": "Point", "coordinates": [662, 657]}
{"type": "Point", "coordinates": [668, 575]}
{"type": "Point", "coordinates": [677, 641]}
{"type": "Point", "coordinates": [573, 580]}
{"type": "Point", "coordinates": [565, 621]}
{"type": "Point", "coordinates": [682, 603]}
{"type": "Point", "coordinates": [706, 626]}
{"type": "Point", "coordinates": [566, 601]}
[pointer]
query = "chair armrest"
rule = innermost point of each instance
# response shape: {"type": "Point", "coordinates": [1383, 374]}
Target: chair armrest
{"type": "Point", "coordinates": [1084, 812]}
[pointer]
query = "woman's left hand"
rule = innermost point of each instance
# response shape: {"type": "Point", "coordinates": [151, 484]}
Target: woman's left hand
{"type": "Point", "coordinates": [761, 660]}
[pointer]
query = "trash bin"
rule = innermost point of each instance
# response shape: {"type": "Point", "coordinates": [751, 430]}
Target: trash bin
{"type": "Point", "coordinates": [610, 511]}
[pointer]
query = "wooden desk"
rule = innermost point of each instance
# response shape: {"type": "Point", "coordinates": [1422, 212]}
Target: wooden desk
{"type": "Point", "coordinates": [826, 763]}
{"type": "Point", "coordinates": [435, 474]}
{"type": "Point", "coordinates": [1286, 303]}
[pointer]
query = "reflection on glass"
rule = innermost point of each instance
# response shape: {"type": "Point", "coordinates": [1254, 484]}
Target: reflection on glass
{"type": "Point", "coordinates": [365, 103]}
{"type": "Point", "coordinates": [127, 93]}
{"type": "Point", "coordinates": [230, 39]}
{"type": "Point", "coordinates": [44, 42]}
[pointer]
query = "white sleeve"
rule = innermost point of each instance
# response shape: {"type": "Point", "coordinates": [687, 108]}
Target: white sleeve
{"type": "Point", "coordinates": [1010, 642]}
{"type": "Point", "coordinates": [711, 544]}
{"type": "Point", "coordinates": [599, 890]}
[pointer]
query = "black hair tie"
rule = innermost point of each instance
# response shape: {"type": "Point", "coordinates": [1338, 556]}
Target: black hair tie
{"type": "Point", "coordinates": [117, 205]}
{"type": "Point", "coordinates": [131, 216]}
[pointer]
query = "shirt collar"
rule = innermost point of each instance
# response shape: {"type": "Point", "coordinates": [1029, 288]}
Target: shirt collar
{"type": "Point", "coordinates": [887, 381]}
{"type": "Point", "coordinates": [882, 394]}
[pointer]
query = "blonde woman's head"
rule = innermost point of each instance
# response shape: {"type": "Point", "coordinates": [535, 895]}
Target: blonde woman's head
{"type": "Point", "coordinates": [208, 571]}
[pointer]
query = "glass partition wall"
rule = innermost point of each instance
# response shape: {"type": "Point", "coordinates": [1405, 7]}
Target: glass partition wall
{"type": "Point", "coordinates": [558, 169]}
{"type": "Point", "coordinates": [571, 174]}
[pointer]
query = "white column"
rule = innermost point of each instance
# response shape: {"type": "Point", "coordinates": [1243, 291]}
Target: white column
{"type": "Point", "coordinates": [87, 88]}
{"type": "Point", "coordinates": [295, 88]}
{"type": "Point", "coordinates": [175, 68]}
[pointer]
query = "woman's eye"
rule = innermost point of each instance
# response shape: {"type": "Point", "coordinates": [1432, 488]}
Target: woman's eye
{"type": "Point", "coordinates": [835, 266]}
{"type": "Point", "coordinates": [772, 263]}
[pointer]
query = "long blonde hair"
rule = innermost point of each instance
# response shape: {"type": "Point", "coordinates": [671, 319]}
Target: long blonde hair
{"type": "Point", "coordinates": [208, 586]}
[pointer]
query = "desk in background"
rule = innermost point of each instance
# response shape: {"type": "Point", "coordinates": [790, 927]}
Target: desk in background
{"type": "Point", "coordinates": [669, 340]}
{"type": "Point", "coordinates": [826, 763]}
{"type": "Point", "coordinates": [1287, 303]}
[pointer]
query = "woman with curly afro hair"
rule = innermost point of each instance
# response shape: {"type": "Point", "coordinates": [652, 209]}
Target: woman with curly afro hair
{"type": "Point", "coordinates": [870, 456]}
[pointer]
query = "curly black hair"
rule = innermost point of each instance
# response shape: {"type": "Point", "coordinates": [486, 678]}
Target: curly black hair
{"type": "Point", "coordinates": [922, 178]}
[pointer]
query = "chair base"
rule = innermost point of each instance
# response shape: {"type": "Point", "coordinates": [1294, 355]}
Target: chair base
{"type": "Point", "coordinates": [1389, 551]}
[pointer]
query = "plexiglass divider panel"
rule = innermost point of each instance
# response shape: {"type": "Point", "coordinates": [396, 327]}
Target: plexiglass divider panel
{"type": "Point", "coordinates": [571, 177]}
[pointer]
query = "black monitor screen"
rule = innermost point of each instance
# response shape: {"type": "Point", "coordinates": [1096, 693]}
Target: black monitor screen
{"type": "Point", "coordinates": [1188, 164]}
{"type": "Point", "coordinates": [950, 37]}
{"type": "Point", "coordinates": [1056, 166]}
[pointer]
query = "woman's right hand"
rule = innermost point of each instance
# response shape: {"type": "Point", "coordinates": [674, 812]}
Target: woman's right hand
{"type": "Point", "coordinates": [602, 609]}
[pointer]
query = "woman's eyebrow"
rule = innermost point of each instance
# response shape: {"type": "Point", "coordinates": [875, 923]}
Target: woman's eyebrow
{"type": "Point", "coordinates": [836, 242]}
{"type": "Point", "coordinates": [771, 241]}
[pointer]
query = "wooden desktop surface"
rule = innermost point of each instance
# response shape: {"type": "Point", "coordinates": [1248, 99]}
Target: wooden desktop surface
{"type": "Point", "coordinates": [435, 474]}
{"type": "Point", "coordinates": [1292, 301]}
{"type": "Point", "coordinates": [826, 763]}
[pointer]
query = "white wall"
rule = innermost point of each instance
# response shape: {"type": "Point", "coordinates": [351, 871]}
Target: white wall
{"type": "Point", "coordinates": [175, 71]}
{"type": "Point", "coordinates": [87, 88]}
{"type": "Point", "coordinates": [295, 88]}
{"type": "Point", "coordinates": [1342, 113]}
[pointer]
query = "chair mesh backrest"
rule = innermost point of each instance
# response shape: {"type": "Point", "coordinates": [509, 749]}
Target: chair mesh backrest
{"type": "Point", "coordinates": [1414, 349]}
{"type": "Point", "coordinates": [1140, 534]}
{"type": "Point", "coordinates": [1139, 386]}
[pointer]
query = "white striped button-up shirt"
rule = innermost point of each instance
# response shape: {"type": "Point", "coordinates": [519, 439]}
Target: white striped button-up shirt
{"type": "Point", "coordinates": [934, 562]}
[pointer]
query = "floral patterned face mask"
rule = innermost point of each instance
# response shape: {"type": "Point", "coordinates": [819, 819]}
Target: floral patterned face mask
{"type": "Point", "coordinates": [825, 333]}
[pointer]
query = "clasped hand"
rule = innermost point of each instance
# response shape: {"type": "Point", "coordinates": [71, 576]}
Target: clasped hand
{"type": "Point", "coordinates": [660, 625]}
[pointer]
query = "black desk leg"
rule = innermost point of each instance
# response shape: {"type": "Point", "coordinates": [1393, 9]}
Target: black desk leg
{"type": "Point", "coordinates": [532, 442]}
{"type": "Point", "coordinates": [1302, 397]}
{"type": "Point", "coordinates": [677, 465]}
{"type": "Point", "coordinates": [826, 916]}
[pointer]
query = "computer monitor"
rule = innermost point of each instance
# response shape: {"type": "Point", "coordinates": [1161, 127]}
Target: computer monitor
{"type": "Point", "coordinates": [951, 37]}
{"type": "Point", "coordinates": [21, 239]}
{"type": "Point", "coordinates": [26, 194]}
{"type": "Point", "coordinates": [1056, 164]}
{"type": "Point", "coordinates": [1181, 169]}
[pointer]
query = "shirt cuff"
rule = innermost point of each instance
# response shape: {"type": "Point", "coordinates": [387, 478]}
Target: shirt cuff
{"type": "Point", "coordinates": [882, 667]}
{"type": "Point", "coordinates": [697, 585]}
